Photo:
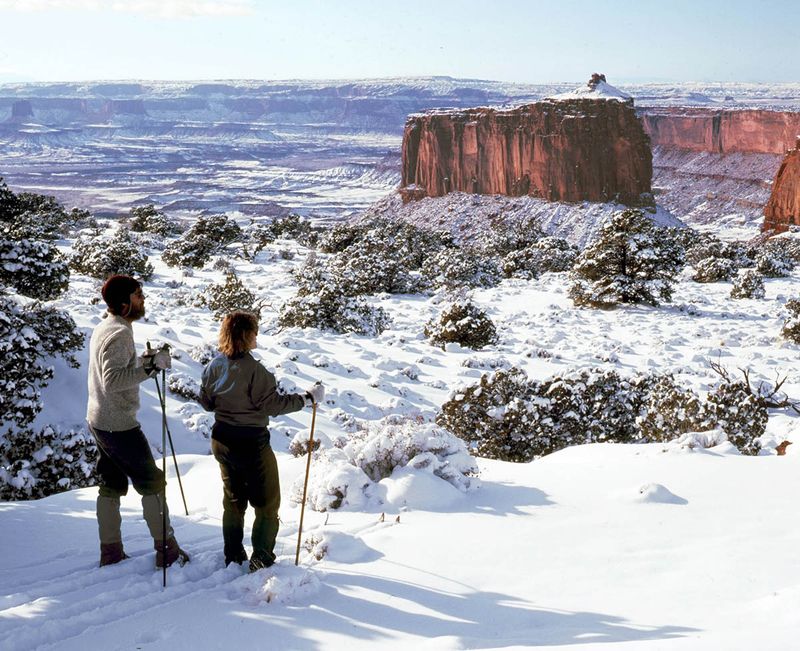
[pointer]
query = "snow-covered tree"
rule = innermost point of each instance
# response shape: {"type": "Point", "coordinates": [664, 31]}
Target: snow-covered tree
{"type": "Point", "coordinates": [774, 263]}
{"type": "Point", "coordinates": [323, 302]}
{"type": "Point", "coordinates": [147, 219]}
{"type": "Point", "coordinates": [548, 254]}
{"type": "Point", "coordinates": [101, 257]}
{"type": "Point", "coordinates": [223, 298]}
{"type": "Point", "coordinates": [31, 333]}
{"type": "Point", "coordinates": [791, 325]}
{"type": "Point", "coordinates": [630, 261]}
{"type": "Point", "coordinates": [462, 322]}
{"type": "Point", "coordinates": [714, 270]}
{"type": "Point", "coordinates": [749, 283]}
{"type": "Point", "coordinates": [207, 236]}
{"type": "Point", "coordinates": [453, 268]}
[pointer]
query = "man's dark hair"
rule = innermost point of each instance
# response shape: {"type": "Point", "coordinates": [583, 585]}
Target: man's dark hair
{"type": "Point", "coordinates": [117, 292]}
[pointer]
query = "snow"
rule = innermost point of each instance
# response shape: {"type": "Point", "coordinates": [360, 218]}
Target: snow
{"type": "Point", "coordinates": [683, 545]}
{"type": "Point", "coordinates": [601, 91]}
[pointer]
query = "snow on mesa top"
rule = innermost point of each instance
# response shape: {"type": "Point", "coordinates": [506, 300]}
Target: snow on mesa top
{"type": "Point", "coordinates": [597, 88]}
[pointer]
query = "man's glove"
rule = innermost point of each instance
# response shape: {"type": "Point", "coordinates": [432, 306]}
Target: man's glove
{"type": "Point", "coordinates": [161, 360]}
{"type": "Point", "coordinates": [156, 360]}
{"type": "Point", "coordinates": [316, 393]}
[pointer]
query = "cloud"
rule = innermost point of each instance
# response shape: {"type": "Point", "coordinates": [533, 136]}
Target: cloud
{"type": "Point", "coordinates": [147, 8]}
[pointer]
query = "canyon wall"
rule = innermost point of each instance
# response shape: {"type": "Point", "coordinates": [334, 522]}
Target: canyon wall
{"type": "Point", "coordinates": [722, 131]}
{"type": "Point", "coordinates": [783, 207]}
{"type": "Point", "coordinates": [560, 150]}
{"type": "Point", "coordinates": [717, 165]}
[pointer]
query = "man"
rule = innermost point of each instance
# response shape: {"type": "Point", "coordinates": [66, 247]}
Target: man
{"type": "Point", "coordinates": [124, 453]}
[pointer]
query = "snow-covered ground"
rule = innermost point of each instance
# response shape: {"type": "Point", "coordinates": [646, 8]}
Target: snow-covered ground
{"type": "Point", "coordinates": [658, 546]}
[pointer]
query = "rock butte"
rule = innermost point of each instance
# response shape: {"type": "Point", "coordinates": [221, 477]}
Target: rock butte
{"type": "Point", "coordinates": [783, 207]}
{"type": "Point", "coordinates": [586, 145]}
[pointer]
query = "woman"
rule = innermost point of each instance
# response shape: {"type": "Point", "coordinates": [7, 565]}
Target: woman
{"type": "Point", "coordinates": [243, 395]}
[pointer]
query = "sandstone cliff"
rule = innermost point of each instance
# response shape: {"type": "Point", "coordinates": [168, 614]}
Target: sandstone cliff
{"type": "Point", "coordinates": [722, 131]}
{"type": "Point", "coordinates": [562, 150]}
{"type": "Point", "coordinates": [783, 207]}
{"type": "Point", "coordinates": [712, 164]}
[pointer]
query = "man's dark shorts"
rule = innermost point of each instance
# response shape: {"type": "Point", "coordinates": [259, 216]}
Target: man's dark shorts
{"type": "Point", "coordinates": [126, 455]}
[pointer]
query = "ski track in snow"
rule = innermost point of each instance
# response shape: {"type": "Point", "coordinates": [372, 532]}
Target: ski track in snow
{"type": "Point", "coordinates": [91, 596]}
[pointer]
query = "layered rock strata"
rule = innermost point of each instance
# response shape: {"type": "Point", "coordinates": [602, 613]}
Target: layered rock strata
{"type": "Point", "coordinates": [783, 207]}
{"type": "Point", "coordinates": [712, 164]}
{"type": "Point", "coordinates": [722, 131]}
{"type": "Point", "coordinates": [561, 150]}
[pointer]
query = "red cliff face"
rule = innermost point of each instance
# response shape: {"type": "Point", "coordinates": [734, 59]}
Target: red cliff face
{"type": "Point", "coordinates": [722, 131]}
{"type": "Point", "coordinates": [783, 207]}
{"type": "Point", "coordinates": [561, 150]}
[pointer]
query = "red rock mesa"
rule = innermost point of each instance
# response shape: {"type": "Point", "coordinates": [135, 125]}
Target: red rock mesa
{"type": "Point", "coordinates": [585, 145]}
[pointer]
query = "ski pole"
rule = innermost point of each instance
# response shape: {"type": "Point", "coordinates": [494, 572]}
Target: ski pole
{"type": "Point", "coordinates": [163, 497]}
{"type": "Point", "coordinates": [162, 399]}
{"type": "Point", "coordinates": [305, 483]}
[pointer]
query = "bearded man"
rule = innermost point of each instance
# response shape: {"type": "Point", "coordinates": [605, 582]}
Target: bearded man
{"type": "Point", "coordinates": [115, 373]}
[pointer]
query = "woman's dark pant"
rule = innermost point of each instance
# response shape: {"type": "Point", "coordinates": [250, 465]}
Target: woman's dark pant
{"type": "Point", "coordinates": [249, 475]}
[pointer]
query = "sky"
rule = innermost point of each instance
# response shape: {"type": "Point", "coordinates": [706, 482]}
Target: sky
{"type": "Point", "coordinates": [505, 40]}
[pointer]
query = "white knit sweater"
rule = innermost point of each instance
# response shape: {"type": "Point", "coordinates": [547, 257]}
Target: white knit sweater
{"type": "Point", "coordinates": [114, 376]}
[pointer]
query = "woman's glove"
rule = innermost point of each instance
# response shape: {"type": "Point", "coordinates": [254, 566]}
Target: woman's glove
{"type": "Point", "coordinates": [316, 393]}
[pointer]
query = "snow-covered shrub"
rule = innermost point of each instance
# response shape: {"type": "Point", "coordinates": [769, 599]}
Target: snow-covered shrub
{"type": "Point", "coordinates": [32, 268]}
{"type": "Point", "coordinates": [507, 416]}
{"type": "Point", "coordinates": [785, 247]}
{"type": "Point", "coordinates": [464, 323]}
{"type": "Point", "coordinates": [28, 336]}
{"type": "Point", "coordinates": [203, 353]}
{"type": "Point", "coordinates": [207, 236]}
{"type": "Point", "coordinates": [146, 219]}
{"type": "Point", "coordinates": [525, 263]}
{"type": "Point", "coordinates": [791, 325]}
{"type": "Point", "coordinates": [338, 238]}
{"type": "Point", "coordinates": [453, 268]}
{"type": "Point", "coordinates": [733, 408]}
{"type": "Point", "coordinates": [342, 475]}
{"type": "Point", "coordinates": [495, 417]}
{"type": "Point", "coordinates": [703, 246]}
{"type": "Point", "coordinates": [223, 298]}
{"type": "Point", "coordinates": [291, 226]}
{"type": "Point", "coordinates": [669, 410]}
{"type": "Point", "coordinates": [373, 272]}
{"type": "Point", "coordinates": [29, 216]}
{"type": "Point", "coordinates": [714, 270]}
{"type": "Point", "coordinates": [749, 283]}
{"type": "Point", "coordinates": [551, 254]}
{"type": "Point", "coordinates": [588, 405]}
{"type": "Point", "coordinates": [772, 263]}
{"type": "Point", "coordinates": [101, 257]}
{"type": "Point", "coordinates": [558, 255]}
{"type": "Point", "coordinates": [630, 261]}
{"type": "Point", "coordinates": [504, 238]}
{"type": "Point", "coordinates": [397, 442]}
{"type": "Point", "coordinates": [298, 447]}
{"type": "Point", "coordinates": [183, 385]}
{"type": "Point", "coordinates": [34, 464]}
{"type": "Point", "coordinates": [705, 439]}
{"type": "Point", "coordinates": [323, 302]}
